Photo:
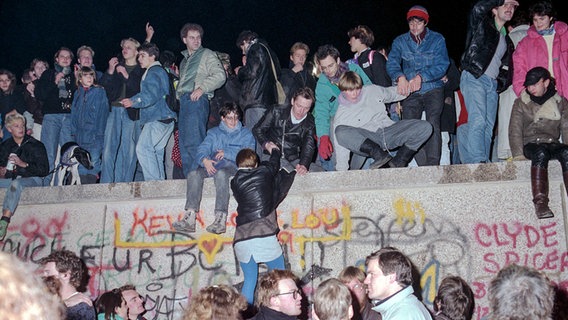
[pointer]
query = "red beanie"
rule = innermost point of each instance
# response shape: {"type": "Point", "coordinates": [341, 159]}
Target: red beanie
{"type": "Point", "coordinates": [419, 12]}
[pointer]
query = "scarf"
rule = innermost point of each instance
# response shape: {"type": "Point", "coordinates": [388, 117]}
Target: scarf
{"type": "Point", "coordinates": [547, 32]}
{"type": "Point", "coordinates": [551, 91]}
{"type": "Point", "coordinates": [419, 38]}
{"type": "Point", "coordinates": [341, 69]}
{"type": "Point", "coordinates": [63, 93]}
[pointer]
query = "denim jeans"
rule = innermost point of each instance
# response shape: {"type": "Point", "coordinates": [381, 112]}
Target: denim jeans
{"type": "Point", "coordinates": [119, 152]}
{"type": "Point", "coordinates": [474, 137]}
{"type": "Point", "coordinates": [150, 149]}
{"type": "Point", "coordinates": [14, 190]}
{"type": "Point", "coordinates": [432, 103]}
{"type": "Point", "coordinates": [410, 133]}
{"type": "Point", "coordinates": [55, 131]}
{"type": "Point", "coordinates": [195, 188]}
{"type": "Point", "coordinates": [252, 116]}
{"type": "Point", "coordinates": [95, 151]}
{"type": "Point", "coordinates": [193, 116]}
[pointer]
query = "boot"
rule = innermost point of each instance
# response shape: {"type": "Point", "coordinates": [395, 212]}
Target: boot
{"type": "Point", "coordinates": [187, 224]}
{"type": "Point", "coordinates": [402, 158]}
{"type": "Point", "coordinates": [380, 156]}
{"type": "Point", "coordinates": [3, 229]}
{"type": "Point", "coordinates": [539, 184]}
{"type": "Point", "coordinates": [220, 224]}
{"type": "Point", "coordinates": [4, 222]}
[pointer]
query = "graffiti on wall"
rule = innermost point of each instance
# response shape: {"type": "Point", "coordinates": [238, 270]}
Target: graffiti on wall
{"type": "Point", "coordinates": [137, 245]}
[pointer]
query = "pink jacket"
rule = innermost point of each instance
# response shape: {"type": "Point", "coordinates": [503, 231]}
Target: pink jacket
{"type": "Point", "coordinates": [532, 52]}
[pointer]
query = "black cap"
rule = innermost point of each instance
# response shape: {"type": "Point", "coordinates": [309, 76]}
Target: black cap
{"type": "Point", "coordinates": [535, 74]}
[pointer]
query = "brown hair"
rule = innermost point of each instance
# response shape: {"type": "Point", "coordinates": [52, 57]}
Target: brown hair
{"type": "Point", "coordinates": [67, 261]}
{"type": "Point", "coordinates": [268, 285]}
{"type": "Point", "coordinates": [219, 302]}
{"type": "Point", "coordinates": [392, 261]}
{"type": "Point", "coordinates": [332, 300]}
{"type": "Point", "coordinates": [247, 158]}
{"type": "Point", "coordinates": [454, 299]}
{"type": "Point", "coordinates": [363, 33]}
{"type": "Point", "coordinates": [350, 80]}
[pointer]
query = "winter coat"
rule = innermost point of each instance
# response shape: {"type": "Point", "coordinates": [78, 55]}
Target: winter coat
{"type": "Point", "coordinates": [532, 52]}
{"type": "Point", "coordinates": [429, 59]}
{"type": "Point", "coordinates": [533, 123]}
{"type": "Point", "coordinates": [223, 138]}
{"type": "Point", "coordinates": [375, 68]}
{"type": "Point", "coordinates": [47, 92]}
{"type": "Point", "coordinates": [210, 74]}
{"type": "Point", "coordinates": [89, 114]}
{"type": "Point", "coordinates": [253, 189]}
{"type": "Point", "coordinates": [31, 151]}
{"type": "Point", "coordinates": [326, 100]}
{"type": "Point", "coordinates": [257, 78]}
{"type": "Point", "coordinates": [481, 44]}
{"type": "Point", "coordinates": [297, 141]}
{"type": "Point", "coordinates": [151, 98]}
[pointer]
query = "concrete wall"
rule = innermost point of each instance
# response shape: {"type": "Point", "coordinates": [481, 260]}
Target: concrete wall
{"type": "Point", "coordinates": [466, 220]}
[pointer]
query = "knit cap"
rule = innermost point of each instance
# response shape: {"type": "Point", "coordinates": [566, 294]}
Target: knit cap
{"type": "Point", "coordinates": [418, 12]}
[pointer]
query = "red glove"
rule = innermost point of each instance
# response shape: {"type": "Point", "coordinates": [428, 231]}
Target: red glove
{"type": "Point", "coordinates": [325, 147]}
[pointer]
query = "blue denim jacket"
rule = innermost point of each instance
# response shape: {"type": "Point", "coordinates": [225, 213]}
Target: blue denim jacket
{"type": "Point", "coordinates": [151, 100]}
{"type": "Point", "coordinates": [89, 113]}
{"type": "Point", "coordinates": [223, 138]}
{"type": "Point", "coordinates": [429, 59]}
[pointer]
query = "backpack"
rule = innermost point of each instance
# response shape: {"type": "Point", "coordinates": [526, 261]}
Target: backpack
{"type": "Point", "coordinates": [171, 100]}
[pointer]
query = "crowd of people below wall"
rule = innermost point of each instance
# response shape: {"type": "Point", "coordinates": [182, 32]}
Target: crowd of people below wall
{"type": "Point", "coordinates": [385, 291]}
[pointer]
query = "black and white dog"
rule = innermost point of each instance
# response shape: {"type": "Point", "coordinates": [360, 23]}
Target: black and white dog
{"type": "Point", "coordinates": [71, 157]}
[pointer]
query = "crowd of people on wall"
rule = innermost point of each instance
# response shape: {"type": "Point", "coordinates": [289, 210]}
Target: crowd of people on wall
{"type": "Point", "coordinates": [143, 118]}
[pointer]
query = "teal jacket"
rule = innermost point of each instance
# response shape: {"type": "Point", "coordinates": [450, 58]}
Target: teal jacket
{"type": "Point", "coordinates": [327, 95]}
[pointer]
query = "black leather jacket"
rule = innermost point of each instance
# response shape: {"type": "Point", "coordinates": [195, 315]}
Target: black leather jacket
{"type": "Point", "coordinates": [265, 313]}
{"type": "Point", "coordinates": [481, 43]}
{"type": "Point", "coordinates": [254, 189]}
{"type": "Point", "coordinates": [258, 85]}
{"type": "Point", "coordinates": [31, 151]}
{"type": "Point", "coordinates": [295, 140]}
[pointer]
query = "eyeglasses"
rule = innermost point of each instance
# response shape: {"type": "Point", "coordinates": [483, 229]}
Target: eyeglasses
{"type": "Point", "coordinates": [359, 286]}
{"type": "Point", "coordinates": [231, 118]}
{"type": "Point", "coordinates": [328, 67]}
{"type": "Point", "coordinates": [295, 294]}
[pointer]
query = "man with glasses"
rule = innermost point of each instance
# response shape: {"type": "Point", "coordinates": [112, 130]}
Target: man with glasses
{"type": "Point", "coordinates": [353, 278]}
{"type": "Point", "coordinates": [278, 296]}
{"type": "Point", "coordinates": [389, 282]}
{"type": "Point", "coordinates": [216, 157]}
{"type": "Point", "coordinates": [327, 92]}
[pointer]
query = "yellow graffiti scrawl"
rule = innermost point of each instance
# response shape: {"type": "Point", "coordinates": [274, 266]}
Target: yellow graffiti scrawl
{"type": "Point", "coordinates": [344, 235]}
{"type": "Point", "coordinates": [406, 210]}
{"type": "Point", "coordinates": [209, 244]}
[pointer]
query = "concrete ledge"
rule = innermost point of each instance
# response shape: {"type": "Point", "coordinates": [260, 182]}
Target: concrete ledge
{"type": "Point", "coordinates": [466, 220]}
{"type": "Point", "coordinates": [314, 182]}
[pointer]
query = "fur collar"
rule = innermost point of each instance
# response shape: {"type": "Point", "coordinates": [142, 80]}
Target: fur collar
{"type": "Point", "coordinates": [548, 110]}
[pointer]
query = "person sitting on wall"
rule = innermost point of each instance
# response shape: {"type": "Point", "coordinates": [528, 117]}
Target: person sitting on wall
{"type": "Point", "coordinates": [23, 163]}
{"type": "Point", "coordinates": [216, 156]}
{"type": "Point", "coordinates": [539, 118]}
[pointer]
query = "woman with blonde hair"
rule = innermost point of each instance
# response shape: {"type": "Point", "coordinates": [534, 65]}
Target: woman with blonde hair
{"type": "Point", "coordinates": [218, 302]}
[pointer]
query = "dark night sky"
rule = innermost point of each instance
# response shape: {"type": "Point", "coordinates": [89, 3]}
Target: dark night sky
{"type": "Point", "coordinates": [33, 28]}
